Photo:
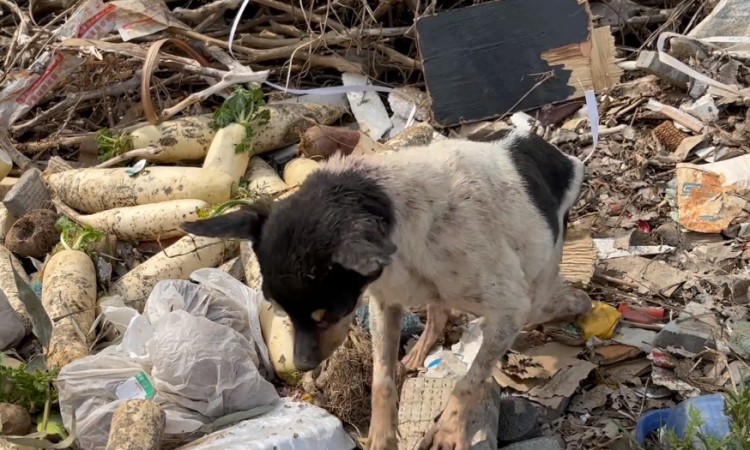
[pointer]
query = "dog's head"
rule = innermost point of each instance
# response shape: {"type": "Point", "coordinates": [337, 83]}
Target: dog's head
{"type": "Point", "coordinates": [317, 252]}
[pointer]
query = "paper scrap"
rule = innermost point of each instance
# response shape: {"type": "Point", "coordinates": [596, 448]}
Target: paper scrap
{"type": "Point", "coordinates": [606, 249]}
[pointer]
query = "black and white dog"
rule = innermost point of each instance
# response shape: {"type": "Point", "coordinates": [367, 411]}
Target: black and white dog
{"type": "Point", "coordinates": [456, 224]}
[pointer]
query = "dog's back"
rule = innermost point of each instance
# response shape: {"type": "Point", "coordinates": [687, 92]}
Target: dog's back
{"type": "Point", "coordinates": [465, 209]}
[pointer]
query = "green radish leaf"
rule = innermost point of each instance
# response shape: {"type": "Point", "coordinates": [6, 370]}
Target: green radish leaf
{"type": "Point", "coordinates": [111, 144]}
{"type": "Point", "coordinates": [245, 107]}
{"type": "Point", "coordinates": [41, 324]}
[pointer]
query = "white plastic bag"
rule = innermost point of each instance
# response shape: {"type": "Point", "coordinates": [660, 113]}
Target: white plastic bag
{"type": "Point", "coordinates": [87, 387]}
{"type": "Point", "coordinates": [198, 349]}
{"type": "Point", "coordinates": [290, 425]}
{"type": "Point", "coordinates": [206, 367]}
{"type": "Point", "coordinates": [233, 288]}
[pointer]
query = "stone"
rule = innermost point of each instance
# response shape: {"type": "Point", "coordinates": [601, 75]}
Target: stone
{"type": "Point", "coordinates": [28, 193]}
{"type": "Point", "coordinates": [649, 61]}
{"type": "Point", "coordinates": [540, 443]}
{"type": "Point", "coordinates": [519, 421]}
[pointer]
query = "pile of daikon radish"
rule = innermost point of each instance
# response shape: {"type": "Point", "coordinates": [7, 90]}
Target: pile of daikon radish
{"type": "Point", "coordinates": [148, 203]}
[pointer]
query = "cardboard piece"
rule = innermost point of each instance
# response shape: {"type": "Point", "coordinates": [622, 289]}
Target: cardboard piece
{"type": "Point", "coordinates": [652, 275]}
{"type": "Point", "coordinates": [496, 58]}
{"type": "Point", "coordinates": [579, 258]}
{"type": "Point", "coordinates": [558, 360]}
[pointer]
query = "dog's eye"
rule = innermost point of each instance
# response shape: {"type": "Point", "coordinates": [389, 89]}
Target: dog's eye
{"type": "Point", "coordinates": [318, 315]}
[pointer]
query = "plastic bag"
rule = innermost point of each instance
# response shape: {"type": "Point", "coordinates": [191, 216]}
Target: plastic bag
{"type": "Point", "coordinates": [233, 288]}
{"type": "Point", "coordinates": [190, 372]}
{"type": "Point", "coordinates": [290, 425]}
{"type": "Point", "coordinates": [197, 347]}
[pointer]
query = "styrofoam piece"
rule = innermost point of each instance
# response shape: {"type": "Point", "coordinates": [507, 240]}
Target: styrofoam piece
{"type": "Point", "coordinates": [290, 425]}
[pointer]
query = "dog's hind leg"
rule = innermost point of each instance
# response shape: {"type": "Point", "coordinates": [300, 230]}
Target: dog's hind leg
{"type": "Point", "coordinates": [385, 328]}
{"type": "Point", "coordinates": [437, 318]}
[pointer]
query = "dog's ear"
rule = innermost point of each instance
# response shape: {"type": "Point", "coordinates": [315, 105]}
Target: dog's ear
{"type": "Point", "coordinates": [365, 253]}
{"type": "Point", "coordinates": [245, 223]}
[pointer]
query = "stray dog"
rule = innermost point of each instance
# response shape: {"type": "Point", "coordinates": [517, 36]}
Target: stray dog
{"type": "Point", "coordinates": [475, 226]}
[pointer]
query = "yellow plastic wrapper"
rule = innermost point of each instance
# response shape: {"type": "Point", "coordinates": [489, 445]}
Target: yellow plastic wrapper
{"type": "Point", "coordinates": [600, 322]}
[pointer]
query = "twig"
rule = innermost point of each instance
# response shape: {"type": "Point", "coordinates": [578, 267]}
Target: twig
{"type": "Point", "coordinates": [616, 281]}
{"type": "Point", "coordinates": [228, 80]}
{"type": "Point", "coordinates": [675, 114]}
{"type": "Point", "coordinates": [48, 144]}
{"type": "Point", "coordinates": [145, 153]}
{"type": "Point", "coordinates": [382, 8]}
{"type": "Point", "coordinates": [72, 99]}
{"type": "Point", "coordinates": [301, 14]}
{"type": "Point", "coordinates": [18, 158]}
{"type": "Point", "coordinates": [545, 76]}
{"type": "Point", "coordinates": [21, 29]}
{"type": "Point", "coordinates": [215, 7]}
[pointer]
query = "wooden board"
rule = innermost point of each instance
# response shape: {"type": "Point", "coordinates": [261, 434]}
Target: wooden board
{"type": "Point", "coordinates": [484, 61]}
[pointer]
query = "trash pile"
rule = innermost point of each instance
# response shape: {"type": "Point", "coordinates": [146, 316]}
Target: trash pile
{"type": "Point", "coordinates": [120, 120]}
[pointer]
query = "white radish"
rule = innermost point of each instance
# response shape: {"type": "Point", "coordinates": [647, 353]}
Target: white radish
{"type": "Point", "coordinates": [147, 222]}
{"type": "Point", "coordinates": [277, 329]}
{"type": "Point", "coordinates": [297, 170]}
{"type": "Point", "coordinates": [177, 262]}
{"type": "Point", "coordinates": [95, 190]}
{"type": "Point", "coordinates": [262, 179]}
{"type": "Point", "coordinates": [183, 139]}
{"type": "Point", "coordinates": [69, 297]}
{"type": "Point", "coordinates": [224, 155]}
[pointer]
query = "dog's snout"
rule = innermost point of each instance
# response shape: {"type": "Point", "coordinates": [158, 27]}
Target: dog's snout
{"type": "Point", "coordinates": [305, 363]}
{"type": "Point", "coordinates": [306, 350]}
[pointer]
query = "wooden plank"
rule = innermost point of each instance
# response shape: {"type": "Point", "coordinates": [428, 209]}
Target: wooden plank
{"type": "Point", "coordinates": [488, 60]}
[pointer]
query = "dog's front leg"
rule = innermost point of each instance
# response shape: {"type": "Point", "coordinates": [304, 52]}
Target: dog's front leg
{"type": "Point", "coordinates": [385, 327]}
{"type": "Point", "coordinates": [501, 325]}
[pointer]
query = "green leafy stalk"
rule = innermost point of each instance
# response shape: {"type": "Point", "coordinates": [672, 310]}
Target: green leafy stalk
{"type": "Point", "coordinates": [32, 390]}
{"type": "Point", "coordinates": [82, 238]}
{"type": "Point", "coordinates": [112, 144]}
{"type": "Point", "coordinates": [245, 107]}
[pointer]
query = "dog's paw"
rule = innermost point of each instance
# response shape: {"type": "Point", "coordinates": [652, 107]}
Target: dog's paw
{"type": "Point", "coordinates": [382, 441]}
{"type": "Point", "coordinates": [447, 434]}
{"type": "Point", "coordinates": [413, 360]}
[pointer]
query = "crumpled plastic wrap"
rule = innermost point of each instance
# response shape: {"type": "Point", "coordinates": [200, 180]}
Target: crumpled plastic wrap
{"type": "Point", "coordinates": [198, 348]}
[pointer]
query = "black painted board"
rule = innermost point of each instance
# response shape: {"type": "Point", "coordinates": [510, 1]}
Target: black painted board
{"type": "Point", "coordinates": [479, 61]}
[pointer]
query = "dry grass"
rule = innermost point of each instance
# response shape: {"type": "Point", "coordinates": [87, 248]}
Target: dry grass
{"type": "Point", "coordinates": [347, 378]}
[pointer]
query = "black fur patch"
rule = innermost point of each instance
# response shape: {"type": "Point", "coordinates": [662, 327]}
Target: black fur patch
{"type": "Point", "coordinates": [299, 238]}
{"type": "Point", "coordinates": [546, 172]}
